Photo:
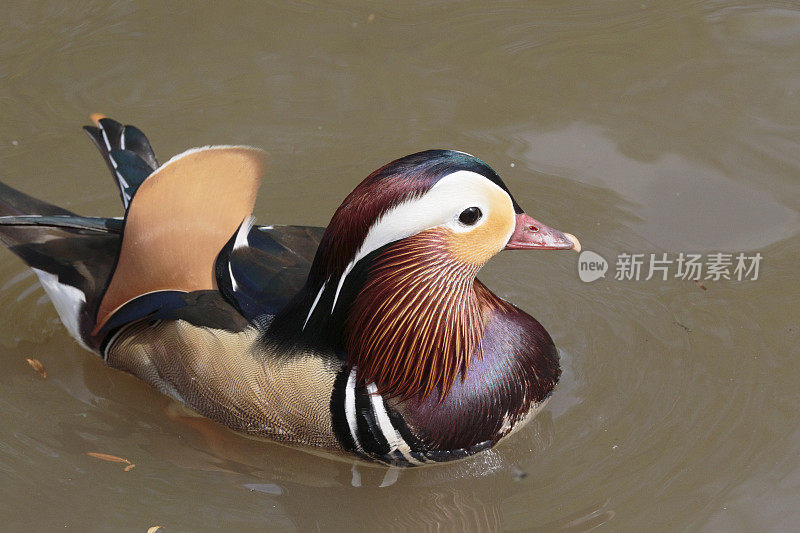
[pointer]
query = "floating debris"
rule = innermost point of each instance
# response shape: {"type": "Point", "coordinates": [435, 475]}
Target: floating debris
{"type": "Point", "coordinates": [687, 328]}
{"type": "Point", "coordinates": [112, 459]}
{"type": "Point", "coordinates": [517, 473]}
{"type": "Point", "coordinates": [266, 488]}
{"type": "Point", "coordinates": [155, 529]}
{"type": "Point", "coordinates": [38, 366]}
{"type": "Point", "coordinates": [700, 284]}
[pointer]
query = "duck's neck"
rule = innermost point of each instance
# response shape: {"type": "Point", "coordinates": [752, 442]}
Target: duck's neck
{"type": "Point", "coordinates": [407, 317]}
{"type": "Point", "coordinates": [416, 322]}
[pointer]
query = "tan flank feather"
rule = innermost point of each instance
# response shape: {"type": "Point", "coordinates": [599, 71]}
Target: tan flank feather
{"type": "Point", "coordinates": [179, 220]}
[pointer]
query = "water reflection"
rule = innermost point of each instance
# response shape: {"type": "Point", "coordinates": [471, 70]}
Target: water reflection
{"type": "Point", "coordinates": [111, 412]}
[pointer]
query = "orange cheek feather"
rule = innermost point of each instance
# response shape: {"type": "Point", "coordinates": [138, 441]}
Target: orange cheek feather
{"type": "Point", "coordinates": [476, 247]}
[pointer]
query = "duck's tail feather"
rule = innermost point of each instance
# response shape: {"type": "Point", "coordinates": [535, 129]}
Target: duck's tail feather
{"type": "Point", "coordinates": [126, 151]}
{"type": "Point", "coordinates": [73, 256]}
{"type": "Point", "coordinates": [14, 202]}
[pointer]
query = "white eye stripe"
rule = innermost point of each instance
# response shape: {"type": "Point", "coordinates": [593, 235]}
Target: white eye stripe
{"type": "Point", "coordinates": [441, 206]}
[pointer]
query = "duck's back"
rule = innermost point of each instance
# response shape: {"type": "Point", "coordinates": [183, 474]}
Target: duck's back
{"type": "Point", "coordinates": [261, 277]}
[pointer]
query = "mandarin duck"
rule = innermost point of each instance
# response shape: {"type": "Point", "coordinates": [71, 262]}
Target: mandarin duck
{"type": "Point", "coordinates": [370, 338]}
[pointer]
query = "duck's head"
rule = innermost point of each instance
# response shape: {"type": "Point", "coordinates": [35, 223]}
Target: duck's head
{"type": "Point", "coordinates": [394, 272]}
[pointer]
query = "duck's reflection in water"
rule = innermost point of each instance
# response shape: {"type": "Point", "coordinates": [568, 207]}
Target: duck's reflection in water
{"type": "Point", "coordinates": [466, 495]}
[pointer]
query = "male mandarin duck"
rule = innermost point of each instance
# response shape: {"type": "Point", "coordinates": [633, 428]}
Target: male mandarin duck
{"type": "Point", "coordinates": [371, 337]}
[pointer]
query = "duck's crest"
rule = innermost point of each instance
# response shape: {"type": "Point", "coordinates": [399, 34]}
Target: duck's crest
{"type": "Point", "coordinates": [368, 218]}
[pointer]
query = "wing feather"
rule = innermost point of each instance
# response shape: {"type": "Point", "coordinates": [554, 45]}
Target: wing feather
{"type": "Point", "coordinates": [179, 220]}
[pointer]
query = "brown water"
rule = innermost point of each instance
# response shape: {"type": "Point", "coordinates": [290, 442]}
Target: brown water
{"type": "Point", "coordinates": [639, 126]}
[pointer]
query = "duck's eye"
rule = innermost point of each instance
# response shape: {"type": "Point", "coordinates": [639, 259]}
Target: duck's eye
{"type": "Point", "coordinates": [470, 216]}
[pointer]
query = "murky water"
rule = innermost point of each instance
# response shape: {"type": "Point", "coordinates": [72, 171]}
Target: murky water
{"type": "Point", "coordinates": [642, 127]}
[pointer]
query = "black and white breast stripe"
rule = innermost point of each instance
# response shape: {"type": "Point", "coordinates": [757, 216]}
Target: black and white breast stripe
{"type": "Point", "coordinates": [365, 425]}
